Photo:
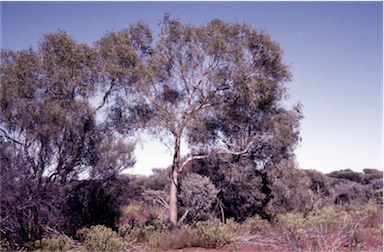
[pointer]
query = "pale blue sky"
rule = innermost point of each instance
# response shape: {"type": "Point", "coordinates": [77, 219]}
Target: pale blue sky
{"type": "Point", "coordinates": [335, 50]}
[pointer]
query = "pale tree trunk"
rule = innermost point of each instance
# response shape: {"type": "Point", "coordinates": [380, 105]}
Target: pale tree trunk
{"type": "Point", "coordinates": [174, 182]}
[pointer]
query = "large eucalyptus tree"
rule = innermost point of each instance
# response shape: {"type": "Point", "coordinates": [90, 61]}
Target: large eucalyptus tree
{"type": "Point", "coordinates": [219, 86]}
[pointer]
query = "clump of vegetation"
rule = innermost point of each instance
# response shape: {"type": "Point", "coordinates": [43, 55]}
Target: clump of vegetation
{"type": "Point", "coordinates": [138, 214]}
{"type": "Point", "coordinates": [328, 229]}
{"type": "Point", "coordinates": [198, 194]}
{"type": "Point", "coordinates": [206, 234]}
{"type": "Point", "coordinates": [101, 238]}
{"type": "Point", "coordinates": [255, 225]}
{"type": "Point", "coordinates": [217, 234]}
{"type": "Point", "coordinates": [58, 243]}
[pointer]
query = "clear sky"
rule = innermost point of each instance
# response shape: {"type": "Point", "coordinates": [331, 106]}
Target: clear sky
{"type": "Point", "coordinates": [335, 50]}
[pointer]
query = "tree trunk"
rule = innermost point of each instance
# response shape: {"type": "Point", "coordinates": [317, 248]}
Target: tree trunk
{"type": "Point", "coordinates": [174, 182]}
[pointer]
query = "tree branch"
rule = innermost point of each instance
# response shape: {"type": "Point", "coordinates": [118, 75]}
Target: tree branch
{"type": "Point", "coordinates": [106, 95]}
{"type": "Point", "coordinates": [183, 217]}
{"type": "Point", "coordinates": [191, 158]}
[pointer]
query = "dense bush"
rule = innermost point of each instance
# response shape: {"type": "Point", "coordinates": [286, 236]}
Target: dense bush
{"type": "Point", "coordinates": [154, 234]}
{"type": "Point", "coordinates": [207, 234]}
{"type": "Point", "coordinates": [243, 190]}
{"type": "Point", "coordinates": [139, 214]}
{"type": "Point", "coordinates": [216, 234]}
{"type": "Point", "coordinates": [94, 202]}
{"type": "Point", "coordinates": [101, 238]}
{"type": "Point", "coordinates": [28, 204]}
{"type": "Point", "coordinates": [289, 191]}
{"type": "Point", "coordinates": [255, 225]}
{"type": "Point", "coordinates": [58, 243]}
{"type": "Point", "coordinates": [348, 175]}
{"type": "Point", "coordinates": [328, 229]}
{"type": "Point", "coordinates": [331, 228]}
{"type": "Point", "coordinates": [198, 195]}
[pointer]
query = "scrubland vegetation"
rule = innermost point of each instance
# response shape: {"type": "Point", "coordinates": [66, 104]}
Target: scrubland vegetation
{"type": "Point", "coordinates": [341, 211]}
{"type": "Point", "coordinates": [71, 115]}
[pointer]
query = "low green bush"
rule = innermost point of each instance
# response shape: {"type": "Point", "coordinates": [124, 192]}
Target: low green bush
{"type": "Point", "coordinates": [101, 238]}
{"type": "Point", "coordinates": [293, 227]}
{"type": "Point", "coordinates": [214, 234]}
{"type": "Point", "coordinates": [58, 243]}
{"type": "Point", "coordinates": [328, 229]}
{"type": "Point", "coordinates": [207, 234]}
{"type": "Point", "coordinates": [153, 233]}
{"type": "Point", "coordinates": [255, 225]}
{"type": "Point", "coordinates": [129, 234]}
{"type": "Point", "coordinates": [368, 214]}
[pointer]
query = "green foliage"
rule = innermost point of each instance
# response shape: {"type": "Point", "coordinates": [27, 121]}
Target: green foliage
{"type": "Point", "coordinates": [49, 134]}
{"type": "Point", "coordinates": [93, 202]}
{"type": "Point", "coordinates": [209, 234]}
{"type": "Point", "coordinates": [129, 234]}
{"type": "Point", "coordinates": [154, 235]}
{"type": "Point", "coordinates": [367, 214]}
{"type": "Point", "coordinates": [243, 190]}
{"type": "Point", "coordinates": [101, 238]}
{"type": "Point", "coordinates": [328, 229]}
{"type": "Point", "coordinates": [289, 190]}
{"type": "Point", "coordinates": [139, 214]}
{"type": "Point", "coordinates": [198, 195]}
{"type": "Point", "coordinates": [59, 243]}
{"type": "Point", "coordinates": [255, 224]}
{"type": "Point", "coordinates": [293, 227]}
{"type": "Point", "coordinates": [348, 174]}
{"type": "Point", "coordinates": [217, 234]}
{"type": "Point", "coordinates": [219, 85]}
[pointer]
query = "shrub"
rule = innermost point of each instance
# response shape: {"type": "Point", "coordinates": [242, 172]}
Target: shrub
{"type": "Point", "coordinates": [292, 225]}
{"type": "Point", "coordinates": [186, 237]}
{"type": "Point", "coordinates": [198, 194]}
{"type": "Point", "coordinates": [138, 214]}
{"type": "Point", "coordinates": [290, 190]}
{"type": "Point", "coordinates": [207, 234]}
{"type": "Point", "coordinates": [369, 215]}
{"type": "Point", "coordinates": [243, 191]}
{"type": "Point", "coordinates": [101, 238]}
{"type": "Point", "coordinates": [93, 202]}
{"type": "Point", "coordinates": [58, 243]}
{"type": "Point", "coordinates": [129, 234]}
{"type": "Point", "coordinates": [255, 224]}
{"type": "Point", "coordinates": [348, 174]}
{"type": "Point", "coordinates": [216, 234]}
{"type": "Point", "coordinates": [329, 229]}
{"type": "Point", "coordinates": [153, 232]}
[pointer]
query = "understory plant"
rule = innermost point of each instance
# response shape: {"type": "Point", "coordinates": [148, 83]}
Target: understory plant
{"type": "Point", "coordinates": [328, 229]}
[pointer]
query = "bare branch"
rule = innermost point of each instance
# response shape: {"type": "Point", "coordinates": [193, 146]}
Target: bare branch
{"type": "Point", "coordinates": [106, 95]}
{"type": "Point", "coordinates": [10, 138]}
{"type": "Point", "coordinates": [191, 158]}
{"type": "Point", "coordinates": [183, 217]}
{"type": "Point", "coordinates": [162, 202]}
